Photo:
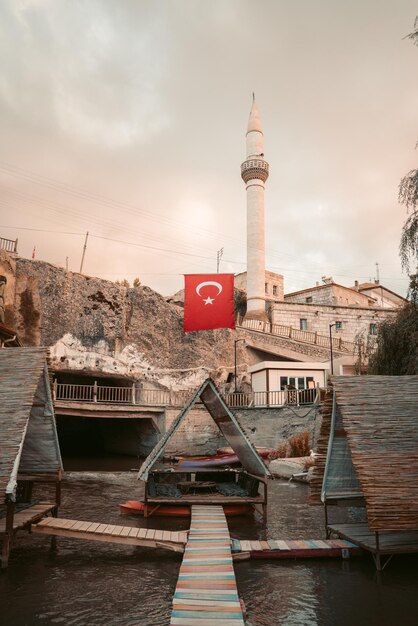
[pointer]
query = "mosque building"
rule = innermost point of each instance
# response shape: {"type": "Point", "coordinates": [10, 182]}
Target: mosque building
{"type": "Point", "coordinates": [327, 312]}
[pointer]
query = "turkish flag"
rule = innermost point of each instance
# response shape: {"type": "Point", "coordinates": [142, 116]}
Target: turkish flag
{"type": "Point", "coordinates": [208, 301]}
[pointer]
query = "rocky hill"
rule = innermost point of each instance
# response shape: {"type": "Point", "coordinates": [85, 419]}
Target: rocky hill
{"type": "Point", "coordinates": [101, 328]}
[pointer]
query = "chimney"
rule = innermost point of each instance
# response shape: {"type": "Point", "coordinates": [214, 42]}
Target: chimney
{"type": "Point", "coordinates": [356, 285]}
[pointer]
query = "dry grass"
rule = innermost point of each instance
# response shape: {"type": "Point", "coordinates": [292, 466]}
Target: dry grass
{"type": "Point", "coordinates": [300, 444]}
{"type": "Point", "coordinates": [297, 446]}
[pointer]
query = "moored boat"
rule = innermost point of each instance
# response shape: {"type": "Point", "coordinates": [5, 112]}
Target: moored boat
{"type": "Point", "coordinates": [136, 507]}
{"type": "Point", "coordinates": [208, 461]}
{"type": "Point", "coordinates": [262, 451]}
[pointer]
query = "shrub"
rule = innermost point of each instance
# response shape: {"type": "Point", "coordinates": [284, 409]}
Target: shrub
{"type": "Point", "coordinates": [300, 444]}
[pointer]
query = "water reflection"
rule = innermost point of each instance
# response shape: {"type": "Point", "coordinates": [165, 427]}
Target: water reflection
{"type": "Point", "coordinates": [97, 583]}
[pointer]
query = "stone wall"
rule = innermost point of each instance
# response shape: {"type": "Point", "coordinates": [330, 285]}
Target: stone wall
{"type": "Point", "coordinates": [330, 294]}
{"type": "Point", "coordinates": [274, 284]}
{"type": "Point", "coordinates": [355, 320]}
{"type": "Point", "coordinates": [268, 427]}
{"type": "Point", "coordinates": [271, 426]}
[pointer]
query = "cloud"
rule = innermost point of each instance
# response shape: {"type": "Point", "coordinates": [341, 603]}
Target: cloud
{"type": "Point", "coordinates": [140, 109]}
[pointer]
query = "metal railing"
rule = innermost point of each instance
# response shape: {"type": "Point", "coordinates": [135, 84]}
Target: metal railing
{"type": "Point", "coordinates": [305, 336]}
{"type": "Point", "coordinates": [258, 399]}
{"type": "Point", "coordinates": [161, 397]}
{"type": "Point", "coordinates": [10, 245]}
{"type": "Point", "coordinates": [110, 395]}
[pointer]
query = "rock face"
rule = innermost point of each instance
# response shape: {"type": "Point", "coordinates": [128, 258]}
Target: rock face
{"type": "Point", "coordinates": [103, 328]}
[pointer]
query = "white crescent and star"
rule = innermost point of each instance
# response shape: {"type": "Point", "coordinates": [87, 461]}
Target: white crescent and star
{"type": "Point", "coordinates": [208, 283]}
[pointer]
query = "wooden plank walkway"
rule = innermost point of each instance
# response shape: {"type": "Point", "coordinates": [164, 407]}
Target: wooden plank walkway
{"type": "Point", "coordinates": [390, 541]}
{"type": "Point", "coordinates": [30, 515]}
{"type": "Point", "coordinates": [94, 531]}
{"type": "Point", "coordinates": [206, 592]}
{"type": "Point", "coordinates": [293, 549]}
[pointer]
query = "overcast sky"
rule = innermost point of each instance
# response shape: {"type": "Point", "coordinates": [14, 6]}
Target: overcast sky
{"type": "Point", "coordinates": [127, 119]}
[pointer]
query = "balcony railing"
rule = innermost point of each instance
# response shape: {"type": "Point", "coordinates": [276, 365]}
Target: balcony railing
{"type": "Point", "coordinates": [65, 392]}
{"type": "Point", "coordinates": [110, 395]}
{"type": "Point", "coordinates": [305, 336]}
{"type": "Point", "coordinates": [10, 245]}
{"type": "Point", "coordinates": [258, 399]}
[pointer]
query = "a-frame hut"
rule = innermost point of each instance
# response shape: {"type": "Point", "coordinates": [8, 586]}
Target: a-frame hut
{"type": "Point", "coordinates": [174, 485]}
{"type": "Point", "coordinates": [368, 456]}
{"type": "Point", "coordinates": [29, 449]}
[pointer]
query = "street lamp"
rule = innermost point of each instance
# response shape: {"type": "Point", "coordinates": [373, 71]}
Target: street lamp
{"type": "Point", "coordinates": [330, 346]}
{"type": "Point", "coordinates": [235, 362]}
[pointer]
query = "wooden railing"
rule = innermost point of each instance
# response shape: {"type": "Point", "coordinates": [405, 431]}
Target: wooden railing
{"type": "Point", "coordinates": [160, 397]}
{"type": "Point", "coordinates": [10, 245]}
{"type": "Point", "coordinates": [306, 336]}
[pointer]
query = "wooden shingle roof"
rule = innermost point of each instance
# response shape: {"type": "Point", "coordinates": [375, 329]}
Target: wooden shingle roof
{"type": "Point", "coordinates": [379, 416]}
{"type": "Point", "coordinates": [28, 438]}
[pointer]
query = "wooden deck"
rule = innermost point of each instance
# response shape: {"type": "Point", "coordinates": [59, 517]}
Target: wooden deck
{"type": "Point", "coordinates": [384, 543]}
{"type": "Point", "coordinates": [292, 549]}
{"type": "Point", "coordinates": [206, 592]}
{"type": "Point", "coordinates": [23, 519]}
{"type": "Point", "coordinates": [94, 531]}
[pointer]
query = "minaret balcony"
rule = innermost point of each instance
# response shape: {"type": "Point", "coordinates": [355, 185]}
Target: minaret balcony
{"type": "Point", "coordinates": [254, 168]}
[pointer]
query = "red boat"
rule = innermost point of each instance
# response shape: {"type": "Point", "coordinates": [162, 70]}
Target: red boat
{"type": "Point", "coordinates": [134, 507]}
{"type": "Point", "coordinates": [208, 461]}
{"type": "Point", "coordinates": [263, 452]}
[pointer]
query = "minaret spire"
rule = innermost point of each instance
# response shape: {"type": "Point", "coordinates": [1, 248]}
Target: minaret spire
{"type": "Point", "coordinates": [254, 172]}
{"type": "Point", "coordinates": [254, 123]}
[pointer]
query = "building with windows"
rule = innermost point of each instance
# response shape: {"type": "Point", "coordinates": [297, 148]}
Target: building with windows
{"type": "Point", "coordinates": [311, 319]}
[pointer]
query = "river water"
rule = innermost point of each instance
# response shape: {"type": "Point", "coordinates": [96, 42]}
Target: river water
{"type": "Point", "coordinates": [97, 584]}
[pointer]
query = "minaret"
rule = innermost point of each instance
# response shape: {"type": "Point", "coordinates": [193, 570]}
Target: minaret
{"type": "Point", "coordinates": [254, 172]}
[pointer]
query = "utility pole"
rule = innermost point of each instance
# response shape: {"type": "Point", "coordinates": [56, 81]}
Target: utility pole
{"type": "Point", "coordinates": [377, 273]}
{"type": "Point", "coordinates": [66, 263]}
{"type": "Point", "coordinates": [219, 255]}
{"type": "Point", "coordinates": [84, 252]}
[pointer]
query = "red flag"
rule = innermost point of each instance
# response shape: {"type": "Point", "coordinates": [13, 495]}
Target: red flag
{"type": "Point", "coordinates": [208, 301]}
{"type": "Point", "coordinates": [33, 252]}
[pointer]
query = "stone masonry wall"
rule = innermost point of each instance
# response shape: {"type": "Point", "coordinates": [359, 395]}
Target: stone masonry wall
{"type": "Point", "coordinates": [199, 435]}
{"type": "Point", "coordinates": [331, 294]}
{"type": "Point", "coordinates": [355, 320]}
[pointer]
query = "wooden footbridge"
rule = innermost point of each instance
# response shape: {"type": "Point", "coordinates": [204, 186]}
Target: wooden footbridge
{"type": "Point", "coordinates": [110, 533]}
{"type": "Point", "coordinates": [206, 592]}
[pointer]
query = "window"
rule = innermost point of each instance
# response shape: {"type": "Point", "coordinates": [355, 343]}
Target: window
{"type": "Point", "coordinates": [266, 287]}
{"type": "Point", "coordinates": [303, 324]}
{"type": "Point", "coordinates": [274, 290]}
{"type": "Point", "coordinates": [300, 383]}
{"type": "Point", "coordinates": [373, 329]}
{"type": "Point", "coordinates": [309, 300]}
{"type": "Point", "coordinates": [338, 325]}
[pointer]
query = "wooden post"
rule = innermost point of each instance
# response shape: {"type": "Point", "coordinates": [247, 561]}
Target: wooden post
{"type": "Point", "coordinates": [316, 337]}
{"type": "Point", "coordinates": [95, 391]}
{"type": "Point", "coordinates": [133, 394]}
{"type": "Point", "coordinates": [290, 332]}
{"type": "Point", "coordinates": [326, 520]}
{"type": "Point", "coordinates": [54, 390]}
{"type": "Point", "coordinates": [57, 494]}
{"type": "Point", "coordinates": [8, 535]}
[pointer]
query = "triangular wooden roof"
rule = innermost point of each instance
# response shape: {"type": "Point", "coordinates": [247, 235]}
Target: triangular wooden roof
{"type": "Point", "coordinates": [28, 436]}
{"type": "Point", "coordinates": [370, 430]}
{"type": "Point", "coordinates": [227, 424]}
